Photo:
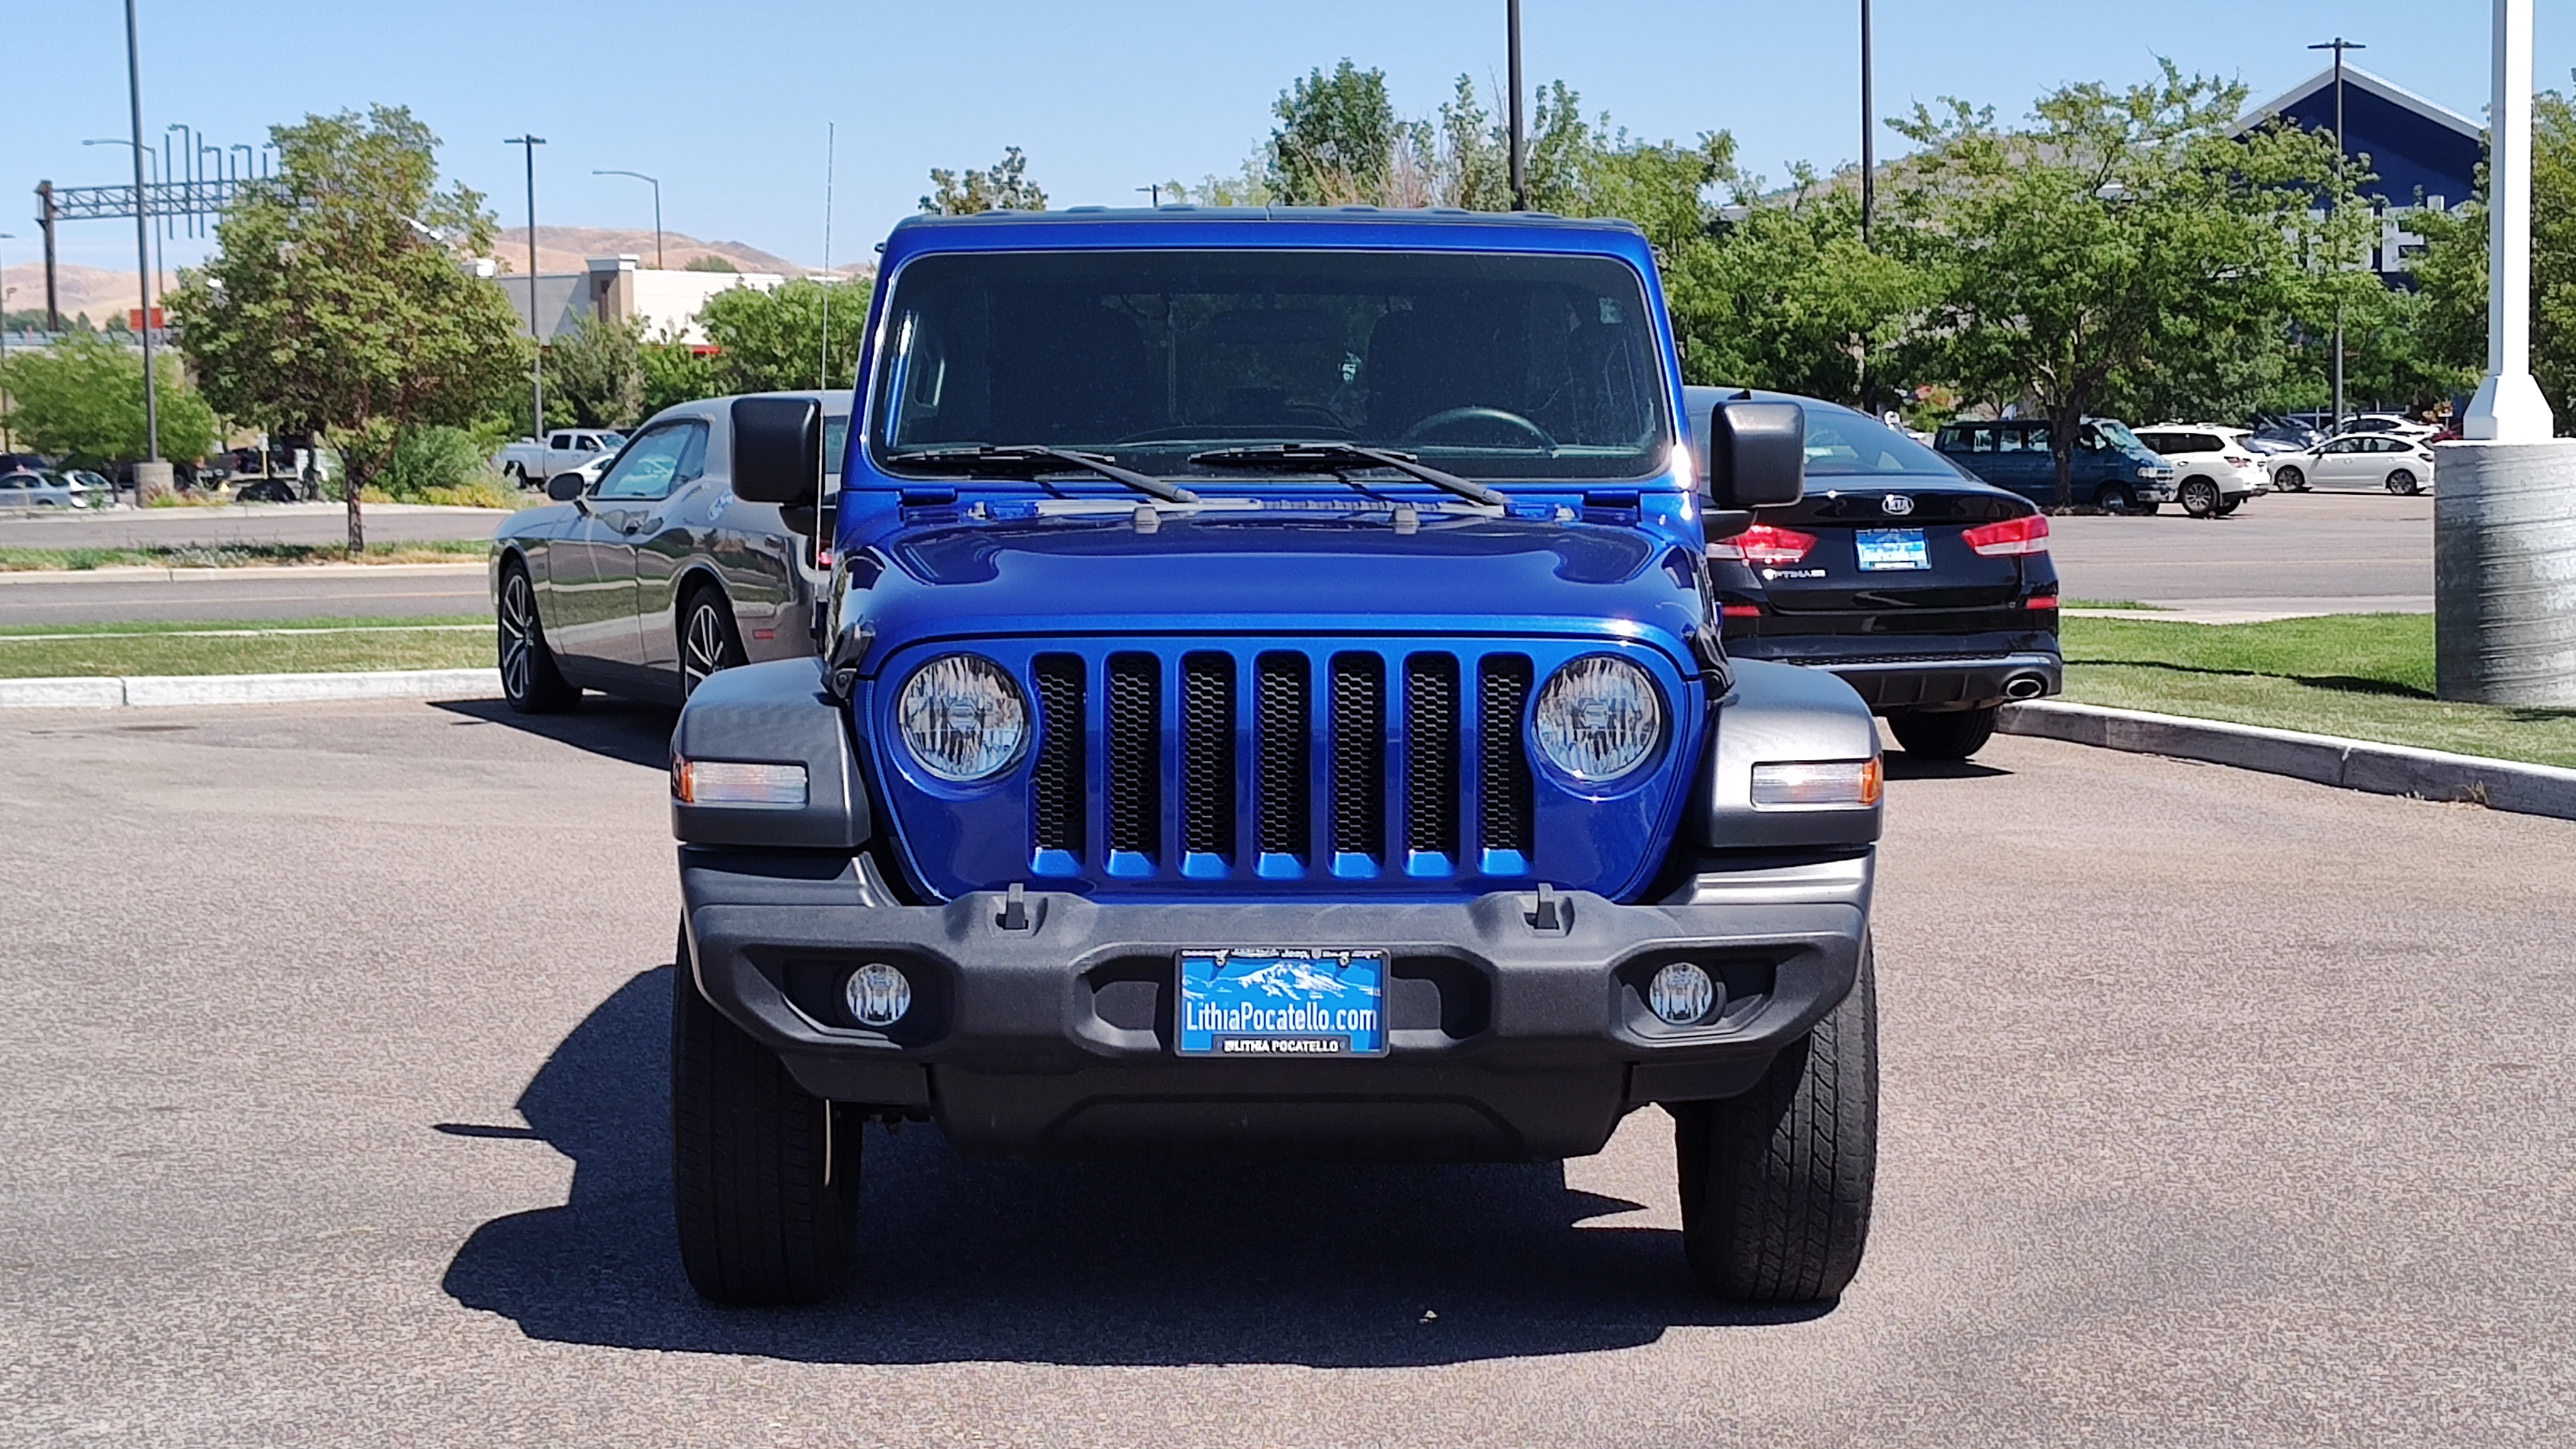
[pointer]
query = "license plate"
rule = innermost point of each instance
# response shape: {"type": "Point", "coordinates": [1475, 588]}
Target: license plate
{"type": "Point", "coordinates": [1892, 548]}
{"type": "Point", "coordinates": [1268, 1001]}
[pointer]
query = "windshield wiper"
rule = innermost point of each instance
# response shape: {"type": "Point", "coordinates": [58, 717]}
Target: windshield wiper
{"type": "Point", "coordinates": [1334, 457]}
{"type": "Point", "coordinates": [1029, 459]}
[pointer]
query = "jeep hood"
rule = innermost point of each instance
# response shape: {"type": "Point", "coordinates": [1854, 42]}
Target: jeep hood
{"type": "Point", "coordinates": [1265, 573]}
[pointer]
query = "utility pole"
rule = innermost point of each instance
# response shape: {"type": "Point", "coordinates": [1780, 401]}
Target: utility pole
{"type": "Point", "coordinates": [536, 329]}
{"type": "Point", "coordinates": [2339, 45]}
{"type": "Point", "coordinates": [831, 140]}
{"type": "Point", "coordinates": [7, 444]}
{"type": "Point", "coordinates": [46, 216]}
{"type": "Point", "coordinates": [1519, 123]}
{"type": "Point", "coordinates": [152, 471]}
{"type": "Point", "coordinates": [1868, 135]}
{"type": "Point", "coordinates": [657, 210]}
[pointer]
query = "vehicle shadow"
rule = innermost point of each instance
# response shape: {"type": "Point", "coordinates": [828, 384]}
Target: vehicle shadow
{"type": "Point", "coordinates": [966, 1259]}
{"type": "Point", "coordinates": [621, 729]}
{"type": "Point", "coordinates": [1903, 766]}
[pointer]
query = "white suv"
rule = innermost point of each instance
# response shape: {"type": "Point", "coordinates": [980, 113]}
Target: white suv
{"type": "Point", "coordinates": [2214, 470]}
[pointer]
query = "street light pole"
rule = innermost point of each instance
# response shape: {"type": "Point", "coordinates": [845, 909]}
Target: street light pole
{"type": "Point", "coordinates": [2509, 407]}
{"type": "Point", "coordinates": [657, 211]}
{"type": "Point", "coordinates": [2339, 45]}
{"type": "Point", "coordinates": [537, 359]}
{"type": "Point", "coordinates": [7, 444]}
{"type": "Point", "coordinates": [1520, 125]}
{"type": "Point", "coordinates": [142, 260]}
{"type": "Point", "coordinates": [1868, 135]}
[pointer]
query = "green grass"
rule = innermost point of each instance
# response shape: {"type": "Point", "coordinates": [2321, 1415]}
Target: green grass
{"type": "Point", "coordinates": [236, 555]}
{"type": "Point", "coordinates": [303, 646]}
{"type": "Point", "coordinates": [2365, 676]}
{"type": "Point", "coordinates": [2131, 605]}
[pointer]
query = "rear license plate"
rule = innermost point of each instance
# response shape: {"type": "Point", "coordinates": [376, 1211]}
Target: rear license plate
{"type": "Point", "coordinates": [1892, 548]}
{"type": "Point", "coordinates": [1268, 1001]}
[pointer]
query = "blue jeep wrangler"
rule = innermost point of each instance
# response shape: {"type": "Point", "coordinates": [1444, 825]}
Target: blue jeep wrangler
{"type": "Point", "coordinates": [1270, 705]}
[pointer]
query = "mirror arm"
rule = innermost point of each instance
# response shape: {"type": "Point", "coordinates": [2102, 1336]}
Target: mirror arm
{"type": "Point", "coordinates": [1720, 523]}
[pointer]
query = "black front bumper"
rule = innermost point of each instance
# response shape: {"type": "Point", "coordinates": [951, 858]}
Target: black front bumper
{"type": "Point", "coordinates": [1050, 1033]}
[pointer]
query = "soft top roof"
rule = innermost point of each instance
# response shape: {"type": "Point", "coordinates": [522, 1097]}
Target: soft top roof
{"type": "Point", "coordinates": [1264, 227]}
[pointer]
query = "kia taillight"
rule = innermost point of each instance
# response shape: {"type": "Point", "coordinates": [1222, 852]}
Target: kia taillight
{"type": "Point", "coordinates": [2027, 534]}
{"type": "Point", "coordinates": [1764, 543]}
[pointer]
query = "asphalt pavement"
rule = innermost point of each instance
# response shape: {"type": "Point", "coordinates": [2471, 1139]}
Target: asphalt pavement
{"type": "Point", "coordinates": [2319, 553]}
{"type": "Point", "coordinates": [2218, 1109]}
{"type": "Point", "coordinates": [305, 591]}
{"type": "Point", "coordinates": [239, 523]}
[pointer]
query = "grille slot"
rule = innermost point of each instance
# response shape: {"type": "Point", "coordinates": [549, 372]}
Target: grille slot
{"type": "Point", "coordinates": [1207, 755]}
{"type": "Point", "coordinates": [1502, 762]}
{"type": "Point", "coordinates": [1135, 750]}
{"type": "Point", "coordinates": [1359, 755]}
{"type": "Point", "coordinates": [1055, 776]}
{"type": "Point", "coordinates": [1431, 754]}
{"type": "Point", "coordinates": [1282, 715]}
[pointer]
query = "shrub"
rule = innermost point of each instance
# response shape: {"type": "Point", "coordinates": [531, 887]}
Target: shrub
{"type": "Point", "coordinates": [429, 458]}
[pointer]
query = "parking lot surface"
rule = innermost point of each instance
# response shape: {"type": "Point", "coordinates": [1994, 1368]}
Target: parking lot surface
{"type": "Point", "coordinates": [239, 523]}
{"type": "Point", "coordinates": [312, 591]}
{"type": "Point", "coordinates": [2218, 1109]}
{"type": "Point", "coordinates": [2327, 553]}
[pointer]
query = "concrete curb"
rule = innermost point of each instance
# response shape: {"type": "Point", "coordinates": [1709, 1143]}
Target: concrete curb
{"type": "Point", "coordinates": [2321, 759]}
{"type": "Point", "coordinates": [162, 691]}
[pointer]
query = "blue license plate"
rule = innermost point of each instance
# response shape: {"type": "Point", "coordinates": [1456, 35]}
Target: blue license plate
{"type": "Point", "coordinates": [1892, 548]}
{"type": "Point", "coordinates": [1268, 1001]}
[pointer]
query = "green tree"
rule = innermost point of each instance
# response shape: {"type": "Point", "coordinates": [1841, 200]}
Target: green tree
{"type": "Point", "coordinates": [2116, 233]}
{"type": "Point", "coordinates": [83, 398]}
{"type": "Point", "coordinates": [773, 341]}
{"type": "Point", "coordinates": [1338, 139]}
{"type": "Point", "coordinates": [597, 373]}
{"type": "Point", "coordinates": [337, 304]}
{"type": "Point", "coordinates": [2452, 270]}
{"type": "Point", "coordinates": [709, 263]}
{"type": "Point", "coordinates": [1781, 293]}
{"type": "Point", "coordinates": [1003, 186]}
{"type": "Point", "coordinates": [676, 372]}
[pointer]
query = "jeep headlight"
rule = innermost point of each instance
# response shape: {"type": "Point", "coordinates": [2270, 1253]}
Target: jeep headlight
{"type": "Point", "coordinates": [962, 718]}
{"type": "Point", "coordinates": [1599, 718]}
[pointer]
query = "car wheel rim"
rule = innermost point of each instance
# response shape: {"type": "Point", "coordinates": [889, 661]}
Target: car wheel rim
{"type": "Point", "coordinates": [518, 644]}
{"type": "Point", "coordinates": [704, 652]}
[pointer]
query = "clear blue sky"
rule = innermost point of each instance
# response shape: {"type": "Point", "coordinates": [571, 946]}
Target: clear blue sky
{"type": "Point", "coordinates": [727, 103]}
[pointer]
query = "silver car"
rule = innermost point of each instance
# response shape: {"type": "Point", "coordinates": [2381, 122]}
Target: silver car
{"type": "Point", "coordinates": [652, 576]}
{"type": "Point", "coordinates": [32, 488]}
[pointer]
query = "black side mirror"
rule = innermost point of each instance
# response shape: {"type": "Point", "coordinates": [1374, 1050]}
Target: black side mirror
{"type": "Point", "coordinates": [777, 449]}
{"type": "Point", "coordinates": [1757, 454]}
{"type": "Point", "coordinates": [564, 487]}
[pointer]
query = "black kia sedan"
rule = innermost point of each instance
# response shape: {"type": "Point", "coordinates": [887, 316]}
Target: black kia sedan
{"type": "Point", "coordinates": [1927, 591]}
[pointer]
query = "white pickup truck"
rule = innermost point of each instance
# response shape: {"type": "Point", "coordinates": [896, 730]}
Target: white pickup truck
{"type": "Point", "coordinates": [530, 462]}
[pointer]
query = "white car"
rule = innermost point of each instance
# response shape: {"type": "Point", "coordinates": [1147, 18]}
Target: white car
{"type": "Point", "coordinates": [2215, 468]}
{"type": "Point", "coordinates": [2387, 424]}
{"type": "Point", "coordinates": [2399, 465]}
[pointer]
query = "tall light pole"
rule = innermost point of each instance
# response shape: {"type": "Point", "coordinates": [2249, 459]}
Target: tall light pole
{"type": "Point", "coordinates": [142, 261]}
{"type": "Point", "coordinates": [159, 268]}
{"type": "Point", "coordinates": [7, 444]}
{"type": "Point", "coordinates": [657, 211]}
{"type": "Point", "coordinates": [2509, 407]}
{"type": "Point", "coordinates": [2339, 45]}
{"type": "Point", "coordinates": [537, 360]}
{"type": "Point", "coordinates": [181, 168]}
{"type": "Point", "coordinates": [1519, 123]}
{"type": "Point", "coordinates": [1868, 135]}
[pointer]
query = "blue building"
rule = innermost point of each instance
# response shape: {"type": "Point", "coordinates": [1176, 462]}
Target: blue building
{"type": "Point", "coordinates": [2425, 154]}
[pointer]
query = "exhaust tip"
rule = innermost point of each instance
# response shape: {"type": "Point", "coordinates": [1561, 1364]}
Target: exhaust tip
{"type": "Point", "coordinates": [2025, 686]}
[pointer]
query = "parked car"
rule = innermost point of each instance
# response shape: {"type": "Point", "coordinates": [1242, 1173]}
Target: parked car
{"type": "Point", "coordinates": [582, 475]}
{"type": "Point", "coordinates": [2113, 471]}
{"type": "Point", "coordinates": [37, 488]}
{"type": "Point", "coordinates": [1929, 592]}
{"type": "Point", "coordinates": [654, 574]}
{"type": "Point", "coordinates": [2392, 424]}
{"type": "Point", "coordinates": [1272, 711]}
{"type": "Point", "coordinates": [2281, 435]}
{"type": "Point", "coordinates": [2216, 471]}
{"type": "Point", "coordinates": [2357, 460]}
{"type": "Point", "coordinates": [267, 490]}
{"type": "Point", "coordinates": [531, 461]}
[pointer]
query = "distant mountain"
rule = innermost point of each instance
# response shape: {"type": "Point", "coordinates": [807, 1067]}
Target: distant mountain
{"type": "Point", "coordinates": [102, 292]}
{"type": "Point", "coordinates": [569, 249]}
{"type": "Point", "coordinates": [1292, 978]}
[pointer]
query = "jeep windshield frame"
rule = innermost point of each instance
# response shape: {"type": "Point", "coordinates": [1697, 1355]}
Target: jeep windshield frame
{"type": "Point", "coordinates": [1502, 367]}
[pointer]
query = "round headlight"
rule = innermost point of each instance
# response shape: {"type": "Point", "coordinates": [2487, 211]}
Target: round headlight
{"type": "Point", "coordinates": [962, 717]}
{"type": "Point", "coordinates": [1599, 718]}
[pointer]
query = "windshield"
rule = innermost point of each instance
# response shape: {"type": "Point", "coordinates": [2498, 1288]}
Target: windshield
{"type": "Point", "coordinates": [2119, 436]}
{"type": "Point", "coordinates": [612, 441]}
{"type": "Point", "coordinates": [1493, 366]}
{"type": "Point", "coordinates": [1840, 442]}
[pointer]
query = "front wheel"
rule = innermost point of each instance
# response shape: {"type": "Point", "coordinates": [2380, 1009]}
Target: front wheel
{"type": "Point", "coordinates": [2402, 483]}
{"type": "Point", "coordinates": [2290, 480]}
{"type": "Point", "coordinates": [709, 641]}
{"type": "Point", "coordinates": [1950, 734]}
{"type": "Point", "coordinates": [529, 679]}
{"type": "Point", "coordinates": [2116, 499]}
{"type": "Point", "coordinates": [1776, 1184]}
{"type": "Point", "coordinates": [764, 1177]}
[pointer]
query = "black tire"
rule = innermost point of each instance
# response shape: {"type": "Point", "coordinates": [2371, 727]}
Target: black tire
{"type": "Point", "coordinates": [2402, 483]}
{"type": "Point", "coordinates": [2290, 480]}
{"type": "Point", "coordinates": [1776, 1184]}
{"type": "Point", "coordinates": [2116, 498]}
{"type": "Point", "coordinates": [515, 474]}
{"type": "Point", "coordinates": [2200, 498]}
{"type": "Point", "coordinates": [764, 1178]}
{"type": "Point", "coordinates": [1952, 734]}
{"type": "Point", "coordinates": [529, 679]}
{"type": "Point", "coordinates": [2231, 505]}
{"type": "Point", "coordinates": [709, 638]}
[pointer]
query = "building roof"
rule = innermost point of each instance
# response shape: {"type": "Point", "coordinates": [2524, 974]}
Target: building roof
{"type": "Point", "coordinates": [2417, 147]}
{"type": "Point", "coordinates": [2356, 79]}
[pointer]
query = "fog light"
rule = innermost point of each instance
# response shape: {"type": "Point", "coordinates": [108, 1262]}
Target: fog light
{"type": "Point", "coordinates": [878, 994]}
{"type": "Point", "coordinates": [1681, 994]}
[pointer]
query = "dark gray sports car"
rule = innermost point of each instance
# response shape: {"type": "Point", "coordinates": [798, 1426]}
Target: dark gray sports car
{"type": "Point", "coordinates": [652, 576]}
